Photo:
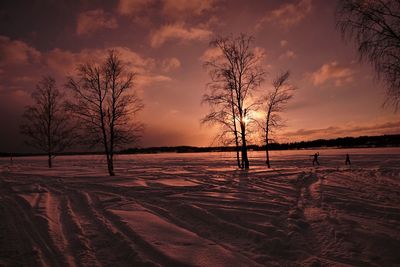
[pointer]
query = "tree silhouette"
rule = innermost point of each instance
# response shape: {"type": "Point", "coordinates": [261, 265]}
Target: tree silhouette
{"type": "Point", "coordinates": [105, 105]}
{"type": "Point", "coordinates": [46, 123]}
{"type": "Point", "coordinates": [235, 74]}
{"type": "Point", "coordinates": [375, 28]}
{"type": "Point", "coordinates": [274, 103]}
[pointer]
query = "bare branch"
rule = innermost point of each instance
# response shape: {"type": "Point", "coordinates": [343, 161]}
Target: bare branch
{"type": "Point", "coordinates": [375, 28]}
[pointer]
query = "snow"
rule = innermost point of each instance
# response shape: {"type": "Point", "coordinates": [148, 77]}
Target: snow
{"type": "Point", "coordinates": [198, 210]}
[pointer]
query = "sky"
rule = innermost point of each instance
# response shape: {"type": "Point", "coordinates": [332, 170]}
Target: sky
{"type": "Point", "coordinates": [166, 42]}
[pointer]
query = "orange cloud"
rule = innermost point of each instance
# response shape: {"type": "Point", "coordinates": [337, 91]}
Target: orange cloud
{"type": "Point", "coordinates": [93, 20]}
{"type": "Point", "coordinates": [288, 15]}
{"type": "Point", "coordinates": [334, 72]}
{"type": "Point", "coordinates": [177, 31]}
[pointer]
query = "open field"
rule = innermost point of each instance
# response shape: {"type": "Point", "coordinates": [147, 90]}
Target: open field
{"type": "Point", "coordinates": [198, 210]}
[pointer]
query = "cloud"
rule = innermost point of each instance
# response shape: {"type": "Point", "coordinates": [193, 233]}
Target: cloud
{"type": "Point", "coordinates": [185, 8]}
{"type": "Point", "coordinates": [334, 72]}
{"type": "Point", "coordinates": [287, 15]}
{"type": "Point", "coordinates": [93, 20]}
{"type": "Point", "coordinates": [260, 53]}
{"type": "Point", "coordinates": [62, 61]}
{"type": "Point", "coordinates": [65, 63]}
{"type": "Point", "coordinates": [170, 64]}
{"type": "Point", "coordinates": [214, 53]}
{"type": "Point", "coordinates": [14, 52]}
{"type": "Point", "coordinates": [343, 131]}
{"type": "Point", "coordinates": [210, 54]}
{"type": "Point", "coordinates": [178, 31]}
{"type": "Point", "coordinates": [132, 7]}
{"type": "Point", "coordinates": [283, 43]}
{"type": "Point", "coordinates": [178, 10]}
{"type": "Point", "coordinates": [22, 65]}
{"type": "Point", "coordinates": [289, 54]}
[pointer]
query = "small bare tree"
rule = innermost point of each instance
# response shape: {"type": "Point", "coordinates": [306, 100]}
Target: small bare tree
{"type": "Point", "coordinates": [46, 123]}
{"type": "Point", "coordinates": [375, 27]}
{"type": "Point", "coordinates": [105, 105]}
{"type": "Point", "coordinates": [275, 103]}
{"type": "Point", "coordinates": [235, 75]}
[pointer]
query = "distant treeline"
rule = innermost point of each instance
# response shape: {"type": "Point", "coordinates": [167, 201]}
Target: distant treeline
{"type": "Point", "coordinates": [343, 142]}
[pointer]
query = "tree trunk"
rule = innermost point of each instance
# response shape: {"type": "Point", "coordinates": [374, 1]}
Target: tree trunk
{"type": "Point", "coordinates": [49, 161]}
{"type": "Point", "coordinates": [238, 156]}
{"type": "Point", "coordinates": [237, 149]}
{"type": "Point", "coordinates": [245, 159]}
{"type": "Point", "coordinates": [235, 131]}
{"type": "Point", "coordinates": [267, 150]}
{"type": "Point", "coordinates": [267, 155]}
{"type": "Point", "coordinates": [110, 164]}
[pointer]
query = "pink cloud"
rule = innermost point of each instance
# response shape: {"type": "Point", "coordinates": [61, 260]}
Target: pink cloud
{"type": "Point", "coordinates": [25, 64]}
{"type": "Point", "coordinates": [170, 64]}
{"type": "Point", "coordinates": [130, 7]}
{"type": "Point", "coordinates": [178, 31]}
{"type": "Point", "coordinates": [65, 63]}
{"type": "Point", "coordinates": [210, 54]}
{"type": "Point", "coordinates": [332, 72]}
{"type": "Point", "coordinates": [288, 54]}
{"type": "Point", "coordinates": [179, 8]}
{"type": "Point", "coordinates": [14, 52]}
{"type": "Point", "coordinates": [93, 20]}
{"type": "Point", "coordinates": [287, 15]}
{"type": "Point", "coordinates": [378, 128]}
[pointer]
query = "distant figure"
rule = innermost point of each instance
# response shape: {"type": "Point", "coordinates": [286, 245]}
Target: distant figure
{"type": "Point", "coordinates": [347, 162]}
{"type": "Point", "coordinates": [315, 159]}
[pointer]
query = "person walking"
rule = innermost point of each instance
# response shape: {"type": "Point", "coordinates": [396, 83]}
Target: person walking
{"type": "Point", "coordinates": [347, 162]}
{"type": "Point", "coordinates": [315, 159]}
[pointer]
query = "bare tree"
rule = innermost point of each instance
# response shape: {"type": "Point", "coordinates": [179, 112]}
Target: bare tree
{"type": "Point", "coordinates": [223, 113]}
{"type": "Point", "coordinates": [46, 122]}
{"type": "Point", "coordinates": [375, 28]}
{"type": "Point", "coordinates": [275, 103]}
{"type": "Point", "coordinates": [105, 105]}
{"type": "Point", "coordinates": [235, 75]}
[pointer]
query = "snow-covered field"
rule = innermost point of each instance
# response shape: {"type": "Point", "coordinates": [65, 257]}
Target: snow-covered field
{"type": "Point", "coordinates": [198, 210]}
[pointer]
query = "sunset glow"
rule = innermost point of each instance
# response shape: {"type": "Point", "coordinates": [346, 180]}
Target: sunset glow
{"type": "Point", "coordinates": [166, 43]}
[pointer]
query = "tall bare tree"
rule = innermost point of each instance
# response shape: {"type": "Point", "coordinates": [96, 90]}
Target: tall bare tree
{"type": "Point", "coordinates": [105, 105]}
{"type": "Point", "coordinates": [46, 123]}
{"type": "Point", "coordinates": [375, 28]}
{"type": "Point", "coordinates": [235, 75]}
{"type": "Point", "coordinates": [275, 102]}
